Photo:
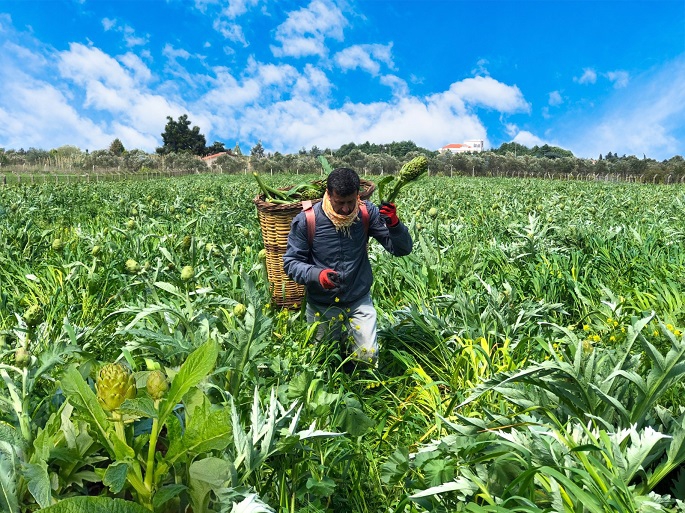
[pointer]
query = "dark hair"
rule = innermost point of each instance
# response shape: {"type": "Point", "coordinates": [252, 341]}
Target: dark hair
{"type": "Point", "coordinates": [343, 181]}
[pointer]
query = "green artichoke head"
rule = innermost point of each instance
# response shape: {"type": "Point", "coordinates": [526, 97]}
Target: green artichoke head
{"type": "Point", "coordinates": [33, 315]}
{"type": "Point", "coordinates": [186, 242]}
{"type": "Point", "coordinates": [157, 384]}
{"type": "Point", "coordinates": [132, 266]}
{"type": "Point", "coordinates": [239, 310]}
{"type": "Point", "coordinates": [187, 273]}
{"type": "Point", "coordinates": [114, 384]}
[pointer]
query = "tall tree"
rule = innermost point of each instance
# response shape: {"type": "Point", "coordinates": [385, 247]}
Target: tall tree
{"type": "Point", "coordinates": [178, 137]}
{"type": "Point", "coordinates": [117, 147]}
{"type": "Point", "coordinates": [217, 147]}
{"type": "Point", "coordinates": [257, 150]}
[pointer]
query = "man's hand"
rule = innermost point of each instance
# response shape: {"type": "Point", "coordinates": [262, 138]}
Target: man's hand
{"type": "Point", "coordinates": [329, 279]}
{"type": "Point", "coordinates": [389, 213]}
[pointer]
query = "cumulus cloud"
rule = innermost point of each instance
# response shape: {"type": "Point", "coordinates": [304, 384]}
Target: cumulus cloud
{"type": "Point", "coordinates": [229, 8]}
{"type": "Point", "coordinates": [230, 30]}
{"type": "Point", "coordinates": [555, 98]}
{"type": "Point", "coordinates": [528, 139]}
{"type": "Point", "coordinates": [225, 14]}
{"type": "Point", "coordinates": [99, 96]}
{"type": "Point", "coordinates": [619, 78]}
{"type": "Point", "coordinates": [589, 76]}
{"type": "Point", "coordinates": [365, 57]}
{"type": "Point", "coordinates": [398, 86]}
{"type": "Point", "coordinates": [305, 30]}
{"type": "Point", "coordinates": [129, 34]}
{"type": "Point", "coordinates": [643, 117]}
{"type": "Point", "coordinates": [482, 92]}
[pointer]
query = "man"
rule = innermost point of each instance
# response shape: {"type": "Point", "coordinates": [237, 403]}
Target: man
{"type": "Point", "coordinates": [335, 267]}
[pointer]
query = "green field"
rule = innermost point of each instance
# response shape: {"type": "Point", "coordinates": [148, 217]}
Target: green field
{"type": "Point", "coordinates": [532, 354]}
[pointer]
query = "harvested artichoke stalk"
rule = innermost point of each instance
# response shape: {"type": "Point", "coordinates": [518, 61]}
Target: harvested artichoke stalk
{"type": "Point", "coordinates": [408, 173]}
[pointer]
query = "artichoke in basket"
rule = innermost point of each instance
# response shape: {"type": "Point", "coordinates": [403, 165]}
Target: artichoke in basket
{"type": "Point", "coordinates": [299, 192]}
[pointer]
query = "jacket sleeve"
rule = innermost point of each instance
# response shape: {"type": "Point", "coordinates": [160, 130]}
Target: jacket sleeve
{"type": "Point", "coordinates": [396, 240]}
{"type": "Point", "coordinates": [296, 260]}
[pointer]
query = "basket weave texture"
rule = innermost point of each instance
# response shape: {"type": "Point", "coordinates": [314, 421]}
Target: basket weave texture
{"type": "Point", "coordinates": [275, 221]}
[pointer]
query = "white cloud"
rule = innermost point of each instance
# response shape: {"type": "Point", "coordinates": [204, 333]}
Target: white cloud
{"type": "Point", "coordinates": [86, 97]}
{"type": "Point", "coordinates": [481, 68]}
{"type": "Point", "coordinates": [129, 34]}
{"type": "Point", "coordinates": [304, 31]}
{"type": "Point", "coordinates": [366, 57]}
{"type": "Point", "coordinates": [399, 87]}
{"type": "Point", "coordinates": [528, 139]}
{"type": "Point", "coordinates": [589, 76]}
{"type": "Point", "coordinates": [619, 78]}
{"type": "Point", "coordinates": [108, 24]}
{"type": "Point", "coordinates": [235, 8]}
{"type": "Point", "coordinates": [230, 30]}
{"type": "Point", "coordinates": [482, 92]}
{"type": "Point", "coordinates": [644, 117]}
{"type": "Point", "coordinates": [555, 98]}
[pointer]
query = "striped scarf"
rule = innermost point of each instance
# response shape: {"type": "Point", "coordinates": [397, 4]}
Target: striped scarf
{"type": "Point", "coordinates": [341, 222]}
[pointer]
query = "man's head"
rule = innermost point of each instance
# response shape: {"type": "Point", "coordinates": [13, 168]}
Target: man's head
{"type": "Point", "coordinates": [343, 190]}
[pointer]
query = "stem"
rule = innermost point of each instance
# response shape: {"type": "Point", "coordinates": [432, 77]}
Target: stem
{"type": "Point", "coordinates": [24, 420]}
{"type": "Point", "coordinates": [119, 425]}
{"type": "Point", "coordinates": [154, 434]}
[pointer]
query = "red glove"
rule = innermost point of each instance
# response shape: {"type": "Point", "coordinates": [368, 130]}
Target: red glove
{"type": "Point", "coordinates": [389, 213]}
{"type": "Point", "coordinates": [328, 279]}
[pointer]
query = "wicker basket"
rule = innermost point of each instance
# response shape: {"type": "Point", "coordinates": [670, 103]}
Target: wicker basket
{"type": "Point", "coordinates": [274, 221]}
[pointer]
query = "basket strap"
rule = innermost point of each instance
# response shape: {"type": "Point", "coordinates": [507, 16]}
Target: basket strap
{"type": "Point", "coordinates": [310, 219]}
{"type": "Point", "coordinates": [365, 217]}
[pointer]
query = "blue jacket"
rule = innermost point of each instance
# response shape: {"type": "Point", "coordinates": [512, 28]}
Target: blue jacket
{"type": "Point", "coordinates": [338, 251]}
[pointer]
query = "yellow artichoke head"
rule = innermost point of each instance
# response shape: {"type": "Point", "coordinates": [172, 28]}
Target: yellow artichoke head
{"type": "Point", "coordinates": [114, 384]}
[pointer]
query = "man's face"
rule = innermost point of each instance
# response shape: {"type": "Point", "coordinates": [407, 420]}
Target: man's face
{"type": "Point", "coordinates": [343, 205]}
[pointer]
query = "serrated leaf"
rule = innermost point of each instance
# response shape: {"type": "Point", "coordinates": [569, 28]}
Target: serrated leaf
{"type": "Point", "coordinates": [206, 475]}
{"type": "Point", "coordinates": [168, 287]}
{"type": "Point", "coordinates": [393, 470]}
{"type": "Point", "coordinates": [115, 476]}
{"type": "Point", "coordinates": [206, 430]}
{"type": "Point", "coordinates": [323, 487]}
{"type": "Point", "coordinates": [139, 407]}
{"type": "Point", "coordinates": [84, 399]}
{"type": "Point", "coordinates": [95, 505]}
{"type": "Point", "coordinates": [38, 482]}
{"type": "Point", "coordinates": [639, 450]}
{"type": "Point", "coordinates": [8, 479]}
{"type": "Point", "coordinates": [352, 419]}
{"type": "Point", "coordinates": [166, 493]}
{"type": "Point", "coordinates": [196, 368]}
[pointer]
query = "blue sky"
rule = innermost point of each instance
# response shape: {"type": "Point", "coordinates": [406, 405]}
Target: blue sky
{"type": "Point", "coordinates": [589, 76]}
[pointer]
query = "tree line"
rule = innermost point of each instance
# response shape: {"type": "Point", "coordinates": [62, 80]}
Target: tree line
{"type": "Point", "coordinates": [183, 144]}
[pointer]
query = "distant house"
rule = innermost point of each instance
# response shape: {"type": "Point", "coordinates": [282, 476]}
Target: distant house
{"type": "Point", "coordinates": [470, 146]}
{"type": "Point", "coordinates": [211, 159]}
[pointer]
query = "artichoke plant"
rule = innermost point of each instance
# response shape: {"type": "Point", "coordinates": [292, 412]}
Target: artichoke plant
{"type": "Point", "coordinates": [114, 384]}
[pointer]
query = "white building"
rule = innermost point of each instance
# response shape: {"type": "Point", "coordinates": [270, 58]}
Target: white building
{"type": "Point", "coordinates": [470, 146]}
